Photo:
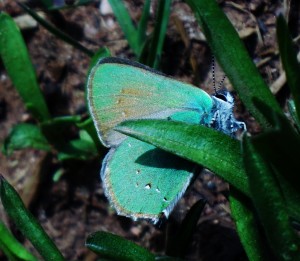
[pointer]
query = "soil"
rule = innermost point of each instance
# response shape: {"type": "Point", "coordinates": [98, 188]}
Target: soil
{"type": "Point", "coordinates": [75, 206]}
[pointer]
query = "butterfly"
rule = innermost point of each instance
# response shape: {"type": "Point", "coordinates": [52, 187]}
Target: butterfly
{"type": "Point", "coordinates": [140, 180]}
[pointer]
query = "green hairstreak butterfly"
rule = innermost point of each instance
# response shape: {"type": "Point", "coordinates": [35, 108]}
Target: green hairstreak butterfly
{"type": "Point", "coordinates": [140, 180]}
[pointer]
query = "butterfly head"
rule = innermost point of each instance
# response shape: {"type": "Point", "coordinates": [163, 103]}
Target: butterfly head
{"type": "Point", "coordinates": [223, 117]}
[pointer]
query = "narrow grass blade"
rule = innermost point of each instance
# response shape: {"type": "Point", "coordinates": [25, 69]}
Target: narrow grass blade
{"type": "Point", "coordinates": [252, 238]}
{"type": "Point", "coordinates": [126, 24]}
{"type": "Point", "coordinates": [205, 146]}
{"type": "Point", "coordinates": [142, 26]}
{"type": "Point", "coordinates": [12, 248]}
{"type": "Point", "coordinates": [25, 136]}
{"type": "Point", "coordinates": [60, 34]}
{"type": "Point", "coordinates": [182, 240]}
{"type": "Point", "coordinates": [158, 38]}
{"type": "Point", "coordinates": [289, 60]}
{"type": "Point", "coordinates": [270, 205]}
{"type": "Point", "coordinates": [293, 112]}
{"type": "Point", "coordinates": [117, 248]}
{"type": "Point", "coordinates": [18, 65]}
{"type": "Point", "coordinates": [26, 223]}
{"type": "Point", "coordinates": [233, 57]}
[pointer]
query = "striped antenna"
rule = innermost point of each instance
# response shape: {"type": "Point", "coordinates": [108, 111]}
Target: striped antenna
{"type": "Point", "coordinates": [213, 73]}
{"type": "Point", "coordinates": [221, 82]}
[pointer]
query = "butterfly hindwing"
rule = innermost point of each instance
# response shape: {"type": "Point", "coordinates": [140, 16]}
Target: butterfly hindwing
{"type": "Point", "coordinates": [143, 181]}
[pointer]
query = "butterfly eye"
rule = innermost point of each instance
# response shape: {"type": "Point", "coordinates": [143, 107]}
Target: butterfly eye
{"type": "Point", "coordinates": [221, 97]}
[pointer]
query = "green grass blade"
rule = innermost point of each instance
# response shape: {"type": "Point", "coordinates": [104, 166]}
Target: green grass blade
{"type": "Point", "coordinates": [289, 60]}
{"type": "Point", "coordinates": [247, 228]}
{"type": "Point", "coordinates": [12, 248]}
{"type": "Point", "coordinates": [26, 223]}
{"type": "Point", "coordinates": [117, 248]}
{"type": "Point", "coordinates": [270, 205]}
{"type": "Point", "coordinates": [60, 34]}
{"type": "Point", "coordinates": [233, 57]}
{"type": "Point", "coordinates": [126, 24]}
{"type": "Point", "coordinates": [25, 136]}
{"type": "Point", "coordinates": [205, 146]}
{"type": "Point", "coordinates": [293, 112]}
{"type": "Point", "coordinates": [142, 26]}
{"type": "Point", "coordinates": [18, 65]}
{"type": "Point", "coordinates": [158, 38]}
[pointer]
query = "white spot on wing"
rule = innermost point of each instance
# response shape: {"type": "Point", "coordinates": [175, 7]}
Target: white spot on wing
{"type": "Point", "coordinates": [148, 186]}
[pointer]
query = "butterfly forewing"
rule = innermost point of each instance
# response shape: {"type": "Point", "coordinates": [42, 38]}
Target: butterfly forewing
{"type": "Point", "coordinates": [118, 92]}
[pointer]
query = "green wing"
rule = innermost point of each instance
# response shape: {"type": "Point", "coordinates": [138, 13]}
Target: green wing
{"type": "Point", "coordinates": [142, 181]}
{"type": "Point", "coordinates": [119, 90]}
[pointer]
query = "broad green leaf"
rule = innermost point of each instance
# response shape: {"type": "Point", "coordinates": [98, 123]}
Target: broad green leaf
{"type": "Point", "coordinates": [58, 33]}
{"type": "Point", "coordinates": [233, 57]}
{"type": "Point", "coordinates": [205, 146]}
{"type": "Point", "coordinates": [117, 248]}
{"type": "Point", "coordinates": [126, 24]}
{"type": "Point", "coordinates": [16, 60]}
{"type": "Point", "coordinates": [158, 38]}
{"type": "Point", "coordinates": [23, 136]}
{"type": "Point", "coordinates": [26, 223]}
{"type": "Point", "coordinates": [12, 248]}
{"type": "Point", "coordinates": [270, 205]}
{"type": "Point", "coordinates": [289, 60]}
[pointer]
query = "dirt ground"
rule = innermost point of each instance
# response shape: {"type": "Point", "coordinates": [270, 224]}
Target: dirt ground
{"type": "Point", "coordinates": [75, 206]}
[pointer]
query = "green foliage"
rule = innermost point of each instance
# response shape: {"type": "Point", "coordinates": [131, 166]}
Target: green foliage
{"type": "Point", "coordinates": [25, 135]}
{"type": "Point", "coordinates": [117, 248]}
{"type": "Point", "coordinates": [48, 133]}
{"type": "Point", "coordinates": [263, 175]}
{"type": "Point", "coordinates": [270, 204]}
{"type": "Point", "coordinates": [12, 248]}
{"type": "Point", "coordinates": [269, 195]}
{"type": "Point", "coordinates": [103, 243]}
{"type": "Point", "coordinates": [289, 60]}
{"type": "Point", "coordinates": [26, 223]}
{"type": "Point", "coordinates": [147, 50]}
{"type": "Point", "coordinates": [18, 65]}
